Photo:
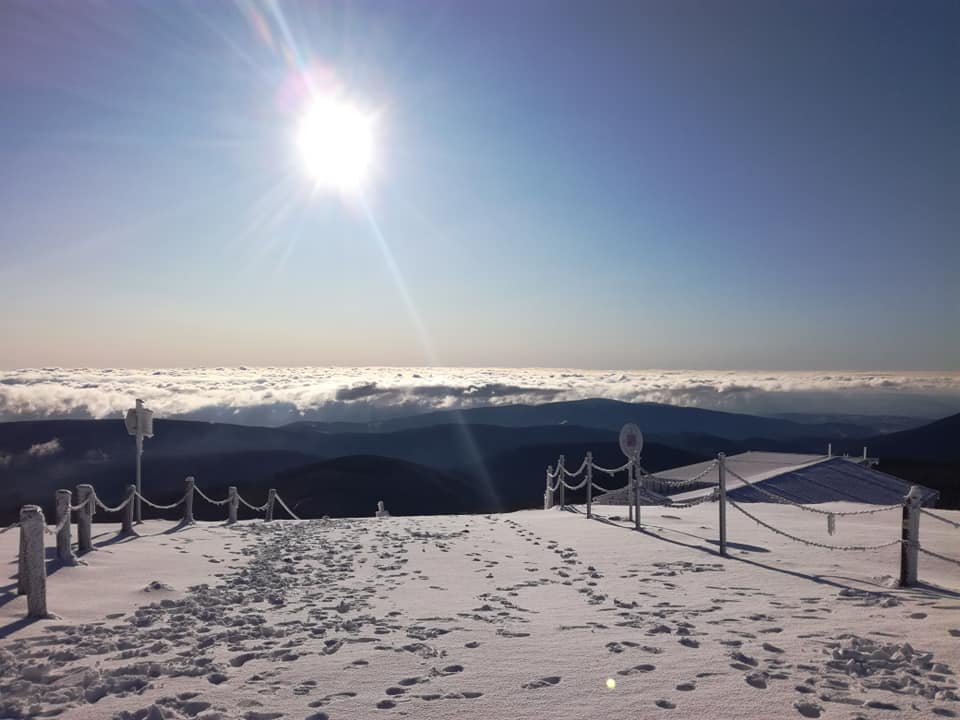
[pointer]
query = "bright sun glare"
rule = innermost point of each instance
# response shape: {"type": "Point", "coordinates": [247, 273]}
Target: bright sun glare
{"type": "Point", "coordinates": [336, 143]}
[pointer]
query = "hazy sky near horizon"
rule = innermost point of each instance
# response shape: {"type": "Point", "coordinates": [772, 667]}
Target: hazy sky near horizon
{"type": "Point", "coordinates": [600, 185]}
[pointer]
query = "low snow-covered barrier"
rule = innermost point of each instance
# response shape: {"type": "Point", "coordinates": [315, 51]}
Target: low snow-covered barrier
{"type": "Point", "coordinates": [32, 565]}
{"type": "Point", "coordinates": [645, 488]}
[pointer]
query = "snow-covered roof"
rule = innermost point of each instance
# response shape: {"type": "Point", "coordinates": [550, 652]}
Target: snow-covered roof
{"type": "Point", "coordinates": [801, 478]}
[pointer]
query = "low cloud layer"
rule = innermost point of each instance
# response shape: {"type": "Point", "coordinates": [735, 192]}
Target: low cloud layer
{"type": "Point", "coordinates": [273, 396]}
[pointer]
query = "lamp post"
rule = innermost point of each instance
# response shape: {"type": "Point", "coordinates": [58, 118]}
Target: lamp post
{"type": "Point", "coordinates": [139, 422]}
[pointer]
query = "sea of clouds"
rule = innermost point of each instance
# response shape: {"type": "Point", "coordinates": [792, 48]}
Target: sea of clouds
{"type": "Point", "coordinates": [277, 395]}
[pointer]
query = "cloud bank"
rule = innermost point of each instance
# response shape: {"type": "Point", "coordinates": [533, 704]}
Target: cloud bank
{"type": "Point", "coordinates": [274, 396]}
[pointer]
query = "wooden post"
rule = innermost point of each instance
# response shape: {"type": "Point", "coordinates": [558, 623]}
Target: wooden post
{"type": "Point", "coordinates": [23, 583]}
{"type": "Point", "coordinates": [548, 492]}
{"type": "Point", "coordinates": [33, 568]}
{"type": "Point", "coordinates": [910, 535]}
{"type": "Point", "coordinates": [271, 497]}
{"type": "Point", "coordinates": [128, 511]}
{"type": "Point", "coordinates": [232, 505]}
{"type": "Point", "coordinates": [589, 485]}
{"type": "Point", "coordinates": [630, 491]}
{"type": "Point", "coordinates": [85, 518]}
{"type": "Point", "coordinates": [64, 543]}
{"type": "Point", "coordinates": [561, 488]}
{"type": "Point", "coordinates": [188, 503]}
{"type": "Point", "coordinates": [722, 477]}
{"type": "Point", "coordinates": [636, 497]}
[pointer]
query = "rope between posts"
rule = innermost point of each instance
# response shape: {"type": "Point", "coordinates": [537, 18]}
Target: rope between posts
{"type": "Point", "coordinates": [575, 487]}
{"type": "Point", "coordinates": [605, 490]}
{"type": "Point", "coordinates": [554, 487]}
{"type": "Point", "coordinates": [261, 508]}
{"type": "Point", "coordinates": [78, 507]}
{"type": "Point", "coordinates": [568, 473]}
{"type": "Point", "coordinates": [612, 471]}
{"type": "Point", "coordinates": [778, 531]}
{"type": "Point", "coordinates": [106, 508]}
{"type": "Point", "coordinates": [948, 521]}
{"type": "Point", "coordinates": [787, 501]}
{"type": "Point", "coordinates": [56, 530]}
{"type": "Point", "coordinates": [284, 506]}
{"type": "Point", "coordinates": [678, 483]}
{"type": "Point", "coordinates": [938, 556]}
{"type": "Point", "coordinates": [712, 497]}
{"type": "Point", "coordinates": [206, 497]}
{"type": "Point", "coordinates": [155, 506]}
{"type": "Point", "coordinates": [9, 527]}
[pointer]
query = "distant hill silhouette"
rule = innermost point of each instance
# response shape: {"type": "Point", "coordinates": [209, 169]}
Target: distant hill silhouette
{"type": "Point", "coordinates": [610, 415]}
{"type": "Point", "coordinates": [939, 440]}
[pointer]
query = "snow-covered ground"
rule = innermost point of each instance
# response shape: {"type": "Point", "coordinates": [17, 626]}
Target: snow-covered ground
{"type": "Point", "coordinates": [526, 615]}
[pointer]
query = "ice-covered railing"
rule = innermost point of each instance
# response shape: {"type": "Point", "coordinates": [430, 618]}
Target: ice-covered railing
{"type": "Point", "coordinates": [31, 574]}
{"type": "Point", "coordinates": [639, 491]}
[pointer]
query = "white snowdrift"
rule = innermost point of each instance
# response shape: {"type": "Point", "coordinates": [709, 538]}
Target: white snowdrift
{"type": "Point", "coordinates": [526, 615]}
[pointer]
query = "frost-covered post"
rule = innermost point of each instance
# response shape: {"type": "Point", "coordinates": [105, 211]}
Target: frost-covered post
{"type": "Point", "coordinates": [234, 499]}
{"type": "Point", "coordinates": [22, 582]}
{"type": "Point", "coordinates": [85, 518]}
{"type": "Point", "coordinates": [64, 543]}
{"type": "Point", "coordinates": [589, 485]}
{"type": "Point", "coordinates": [722, 478]}
{"type": "Point", "coordinates": [548, 493]}
{"type": "Point", "coordinates": [188, 502]}
{"type": "Point", "coordinates": [910, 537]}
{"type": "Point", "coordinates": [33, 563]}
{"type": "Point", "coordinates": [561, 467]}
{"type": "Point", "coordinates": [127, 527]}
{"type": "Point", "coordinates": [271, 497]}
{"type": "Point", "coordinates": [636, 496]}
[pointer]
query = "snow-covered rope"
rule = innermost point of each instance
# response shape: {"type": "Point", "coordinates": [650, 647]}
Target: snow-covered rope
{"type": "Point", "coordinates": [678, 483]}
{"type": "Point", "coordinates": [568, 473]}
{"type": "Point", "coordinates": [106, 508]}
{"type": "Point", "coordinates": [605, 490]}
{"type": "Point", "coordinates": [948, 521]}
{"type": "Point", "coordinates": [8, 528]}
{"type": "Point", "coordinates": [787, 501]}
{"type": "Point", "coordinates": [59, 526]}
{"type": "Point", "coordinates": [155, 506]}
{"type": "Point", "coordinates": [255, 508]}
{"type": "Point", "coordinates": [284, 506]}
{"type": "Point", "coordinates": [679, 506]}
{"type": "Point", "coordinates": [575, 487]}
{"type": "Point", "coordinates": [553, 488]}
{"type": "Point", "coordinates": [78, 506]}
{"type": "Point", "coordinates": [210, 500]}
{"type": "Point", "coordinates": [795, 538]}
{"type": "Point", "coordinates": [938, 556]}
{"type": "Point", "coordinates": [612, 471]}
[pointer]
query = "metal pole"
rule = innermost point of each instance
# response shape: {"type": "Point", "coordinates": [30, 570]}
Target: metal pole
{"type": "Point", "coordinates": [127, 528]}
{"type": "Point", "coordinates": [271, 496]}
{"type": "Point", "coordinates": [722, 476]}
{"type": "Point", "coordinates": [589, 485]}
{"type": "Point", "coordinates": [630, 491]}
{"type": "Point", "coordinates": [139, 454]}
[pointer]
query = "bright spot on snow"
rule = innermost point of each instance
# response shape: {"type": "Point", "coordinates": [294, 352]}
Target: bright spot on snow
{"type": "Point", "coordinates": [335, 141]}
{"type": "Point", "coordinates": [611, 683]}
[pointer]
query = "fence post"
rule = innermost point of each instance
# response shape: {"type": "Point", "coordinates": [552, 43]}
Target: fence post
{"type": "Point", "coordinates": [636, 496]}
{"type": "Point", "coordinates": [128, 511]}
{"type": "Point", "coordinates": [64, 543]}
{"type": "Point", "coordinates": [23, 584]}
{"type": "Point", "coordinates": [910, 535]}
{"type": "Point", "coordinates": [34, 562]}
{"type": "Point", "coordinates": [562, 488]}
{"type": "Point", "coordinates": [548, 493]}
{"type": "Point", "coordinates": [271, 496]}
{"type": "Point", "coordinates": [188, 502]}
{"type": "Point", "coordinates": [232, 505]}
{"type": "Point", "coordinates": [85, 518]}
{"type": "Point", "coordinates": [722, 478]}
{"type": "Point", "coordinates": [589, 485]}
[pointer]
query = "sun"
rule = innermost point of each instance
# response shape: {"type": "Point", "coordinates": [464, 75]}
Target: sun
{"type": "Point", "coordinates": [335, 140]}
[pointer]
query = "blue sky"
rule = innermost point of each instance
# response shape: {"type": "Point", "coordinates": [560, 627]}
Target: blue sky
{"type": "Point", "coordinates": [600, 185]}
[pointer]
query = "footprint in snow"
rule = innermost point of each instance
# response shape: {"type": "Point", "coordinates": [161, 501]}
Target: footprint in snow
{"type": "Point", "coordinates": [541, 683]}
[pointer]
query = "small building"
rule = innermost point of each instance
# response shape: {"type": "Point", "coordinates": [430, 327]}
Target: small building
{"type": "Point", "coordinates": [806, 479]}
